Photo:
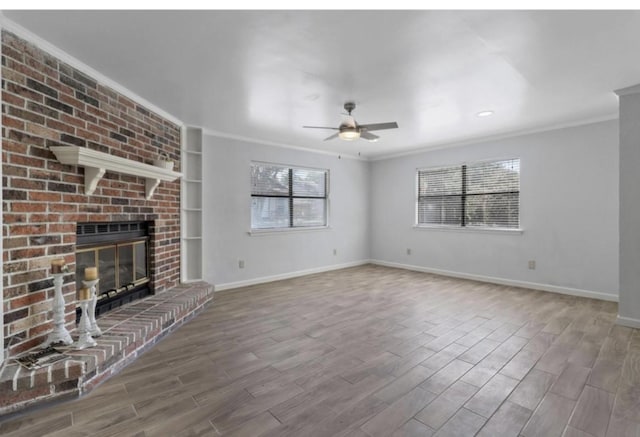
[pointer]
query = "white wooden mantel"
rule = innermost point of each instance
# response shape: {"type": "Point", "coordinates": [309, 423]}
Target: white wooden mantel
{"type": "Point", "coordinates": [96, 164]}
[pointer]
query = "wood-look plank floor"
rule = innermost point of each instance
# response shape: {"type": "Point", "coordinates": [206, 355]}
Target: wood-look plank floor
{"type": "Point", "coordinates": [372, 351]}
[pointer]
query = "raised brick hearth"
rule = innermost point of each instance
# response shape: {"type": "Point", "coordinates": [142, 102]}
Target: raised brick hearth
{"type": "Point", "coordinates": [127, 332]}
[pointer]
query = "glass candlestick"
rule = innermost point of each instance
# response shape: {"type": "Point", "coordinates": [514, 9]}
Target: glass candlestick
{"type": "Point", "coordinates": [60, 334]}
{"type": "Point", "coordinates": [93, 326]}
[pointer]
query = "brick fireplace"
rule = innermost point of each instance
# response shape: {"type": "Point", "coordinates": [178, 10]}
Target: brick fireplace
{"type": "Point", "coordinates": [45, 103]}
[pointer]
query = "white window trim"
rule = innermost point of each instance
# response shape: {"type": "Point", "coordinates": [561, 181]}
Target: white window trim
{"type": "Point", "coordinates": [467, 229]}
{"type": "Point", "coordinates": [278, 231]}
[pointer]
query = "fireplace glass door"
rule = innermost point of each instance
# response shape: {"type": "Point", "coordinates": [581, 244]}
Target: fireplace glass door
{"type": "Point", "coordinates": [121, 266]}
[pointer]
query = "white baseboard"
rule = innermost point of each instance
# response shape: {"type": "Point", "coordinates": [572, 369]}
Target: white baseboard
{"type": "Point", "coordinates": [265, 279]}
{"type": "Point", "coordinates": [628, 321]}
{"type": "Point", "coordinates": [494, 280]}
{"type": "Point", "coordinates": [503, 281]}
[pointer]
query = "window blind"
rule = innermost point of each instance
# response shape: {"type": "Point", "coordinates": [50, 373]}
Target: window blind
{"type": "Point", "coordinates": [287, 197]}
{"type": "Point", "coordinates": [440, 196]}
{"type": "Point", "coordinates": [482, 194]}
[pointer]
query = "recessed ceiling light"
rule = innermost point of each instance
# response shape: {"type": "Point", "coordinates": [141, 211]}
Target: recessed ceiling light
{"type": "Point", "coordinates": [484, 114]}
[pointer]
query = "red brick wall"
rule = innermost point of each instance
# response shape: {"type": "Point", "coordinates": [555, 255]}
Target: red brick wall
{"type": "Point", "coordinates": [46, 102]}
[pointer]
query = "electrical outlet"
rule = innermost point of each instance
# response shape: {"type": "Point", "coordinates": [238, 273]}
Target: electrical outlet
{"type": "Point", "coordinates": [408, 251]}
{"type": "Point", "coordinates": [241, 263]}
{"type": "Point", "coordinates": [335, 251]}
{"type": "Point", "coordinates": [532, 264]}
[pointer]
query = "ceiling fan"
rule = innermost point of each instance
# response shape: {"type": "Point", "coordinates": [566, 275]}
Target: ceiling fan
{"type": "Point", "coordinates": [349, 130]}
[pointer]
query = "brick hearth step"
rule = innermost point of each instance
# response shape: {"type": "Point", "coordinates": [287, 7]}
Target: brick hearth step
{"type": "Point", "coordinates": [127, 332]}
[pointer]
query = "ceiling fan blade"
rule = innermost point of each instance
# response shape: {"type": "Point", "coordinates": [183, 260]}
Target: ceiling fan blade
{"type": "Point", "coordinates": [320, 127]}
{"type": "Point", "coordinates": [331, 137]}
{"type": "Point", "coordinates": [379, 126]}
{"type": "Point", "coordinates": [368, 135]}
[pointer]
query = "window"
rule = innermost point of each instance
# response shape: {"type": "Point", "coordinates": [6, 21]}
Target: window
{"type": "Point", "coordinates": [480, 195]}
{"type": "Point", "coordinates": [287, 197]}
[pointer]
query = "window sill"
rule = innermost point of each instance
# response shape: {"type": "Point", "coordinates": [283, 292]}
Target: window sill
{"type": "Point", "coordinates": [276, 231]}
{"type": "Point", "coordinates": [518, 231]}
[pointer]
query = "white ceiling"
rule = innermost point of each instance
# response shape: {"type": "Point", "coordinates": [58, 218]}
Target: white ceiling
{"type": "Point", "coordinates": [265, 74]}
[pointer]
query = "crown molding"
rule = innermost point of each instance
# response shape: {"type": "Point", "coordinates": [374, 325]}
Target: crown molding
{"type": "Point", "coordinates": [635, 89]}
{"type": "Point", "coordinates": [219, 134]}
{"type": "Point", "coordinates": [497, 137]}
{"type": "Point", "coordinates": [22, 32]}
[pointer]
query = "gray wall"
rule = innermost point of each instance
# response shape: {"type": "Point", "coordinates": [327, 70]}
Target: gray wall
{"type": "Point", "coordinates": [226, 216]}
{"type": "Point", "coordinates": [569, 213]}
{"type": "Point", "coordinates": [629, 308]}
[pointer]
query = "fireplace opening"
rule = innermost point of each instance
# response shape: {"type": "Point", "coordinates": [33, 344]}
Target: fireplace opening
{"type": "Point", "coordinates": [120, 251]}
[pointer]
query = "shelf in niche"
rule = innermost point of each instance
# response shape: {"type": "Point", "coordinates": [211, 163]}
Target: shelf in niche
{"type": "Point", "coordinates": [192, 152]}
{"type": "Point", "coordinates": [96, 164]}
{"type": "Point", "coordinates": [192, 209]}
{"type": "Point", "coordinates": [192, 238]}
{"type": "Point", "coordinates": [193, 181]}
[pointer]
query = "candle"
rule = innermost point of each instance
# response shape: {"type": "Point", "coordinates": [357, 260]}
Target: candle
{"type": "Point", "coordinates": [84, 294]}
{"type": "Point", "coordinates": [90, 273]}
{"type": "Point", "coordinates": [57, 265]}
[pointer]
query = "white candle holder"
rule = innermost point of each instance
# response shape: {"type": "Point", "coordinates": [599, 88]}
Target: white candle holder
{"type": "Point", "coordinates": [91, 309]}
{"type": "Point", "coordinates": [60, 332]}
{"type": "Point", "coordinates": [84, 340]}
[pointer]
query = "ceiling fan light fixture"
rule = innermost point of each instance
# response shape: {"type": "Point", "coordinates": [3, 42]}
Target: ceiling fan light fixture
{"type": "Point", "coordinates": [349, 130]}
{"type": "Point", "coordinates": [484, 114]}
{"type": "Point", "coordinates": [349, 134]}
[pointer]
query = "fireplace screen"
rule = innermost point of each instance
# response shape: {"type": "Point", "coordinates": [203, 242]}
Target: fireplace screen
{"type": "Point", "coordinates": [120, 266]}
{"type": "Point", "coordinates": [120, 252]}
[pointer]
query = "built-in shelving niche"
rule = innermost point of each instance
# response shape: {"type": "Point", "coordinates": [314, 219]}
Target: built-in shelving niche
{"type": "Point", "coordinates": [191, 205]}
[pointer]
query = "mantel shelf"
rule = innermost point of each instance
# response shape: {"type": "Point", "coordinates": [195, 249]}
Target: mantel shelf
{"type": "Point", "coordinates": [97, 163]}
